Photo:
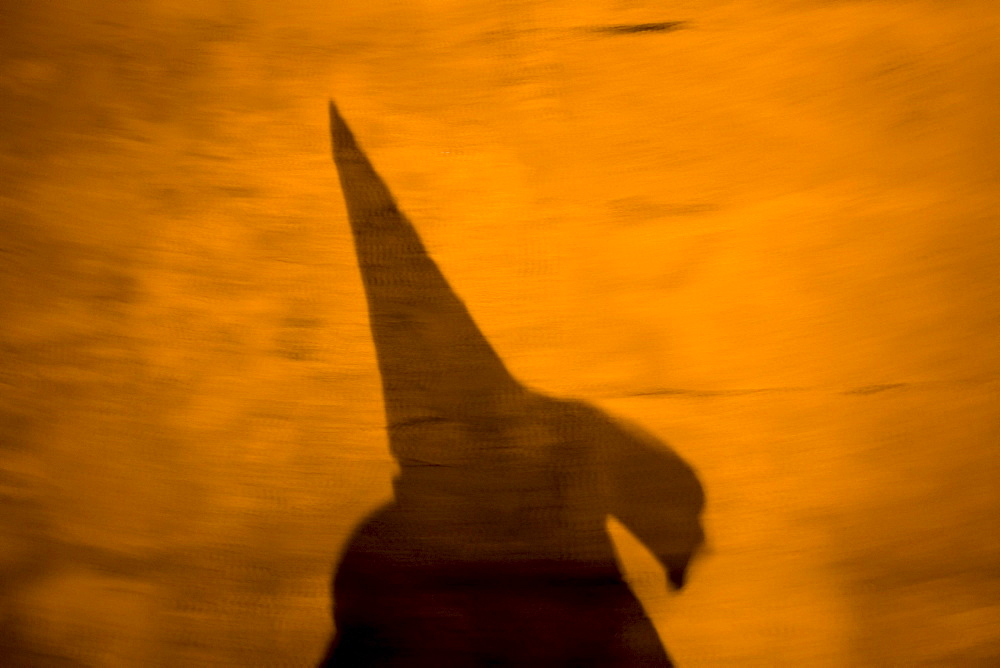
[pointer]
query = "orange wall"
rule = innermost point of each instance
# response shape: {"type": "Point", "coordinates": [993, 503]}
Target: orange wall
{"type": "Point", "coordinates": [769, 237]}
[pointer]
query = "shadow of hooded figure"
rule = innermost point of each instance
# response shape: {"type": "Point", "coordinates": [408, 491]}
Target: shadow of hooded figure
{"type": "Point", "coordinates": [495, 550]}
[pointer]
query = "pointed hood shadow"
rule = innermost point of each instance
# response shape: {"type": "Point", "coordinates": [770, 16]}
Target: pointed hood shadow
{"type": "Point", "coordinates": [495, 550]}
{"type": "Point", "coordinates": [435, 363]}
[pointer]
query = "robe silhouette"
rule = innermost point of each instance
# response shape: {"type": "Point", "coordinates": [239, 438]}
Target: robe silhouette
{"type": "Point", "coordinates": [495, 550]}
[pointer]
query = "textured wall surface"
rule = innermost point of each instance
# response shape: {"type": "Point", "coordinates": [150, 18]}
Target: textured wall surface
{"type": "Point", "coordinates": [769, 236]}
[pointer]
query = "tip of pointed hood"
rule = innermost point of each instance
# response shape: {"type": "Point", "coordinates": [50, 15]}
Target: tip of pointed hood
{"type": "Point", "coordinates": [344, 144]}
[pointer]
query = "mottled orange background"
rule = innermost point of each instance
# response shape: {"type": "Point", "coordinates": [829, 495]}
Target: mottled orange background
{"type": "Point", "coordinates": [770, 237]}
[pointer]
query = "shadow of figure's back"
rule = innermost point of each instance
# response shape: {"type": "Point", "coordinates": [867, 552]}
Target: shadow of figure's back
{"type": "Point", "coordinates": [495, 551]}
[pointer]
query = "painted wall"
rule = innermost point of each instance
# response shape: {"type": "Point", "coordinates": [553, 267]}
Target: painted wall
{"type": "Point", "coordinates": [769, 236]}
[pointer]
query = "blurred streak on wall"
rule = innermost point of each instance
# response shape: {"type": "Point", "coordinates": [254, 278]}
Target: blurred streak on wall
{"type": "Point", "coordinates": [770, 237]}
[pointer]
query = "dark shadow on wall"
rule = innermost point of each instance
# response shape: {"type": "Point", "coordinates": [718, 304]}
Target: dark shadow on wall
{"type": "Point", "coordinates": [495, 551]}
